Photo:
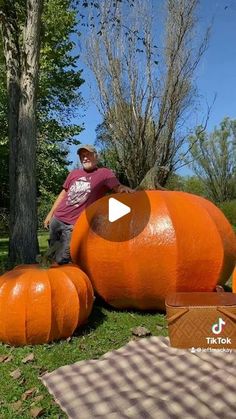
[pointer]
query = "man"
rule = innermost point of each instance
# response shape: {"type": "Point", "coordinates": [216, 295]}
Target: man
{"type": "Point", "coordinates": [81, 188]}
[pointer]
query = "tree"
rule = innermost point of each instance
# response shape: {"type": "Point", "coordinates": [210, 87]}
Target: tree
{"type": "Point", "coordinates": [59, 98]}
{"type": "Point", "coordinates": [213, 159]}
{"type": "Point", "coordinates": [21, 50]}
{"type": "Point", "coordinates": [107, 154]}
{"type": "Point", "coordinates": [144, 92]}
{"type": "Point", "coordinates": [58, 103]}
{"type": "Point", "coordinates": [4, 149]}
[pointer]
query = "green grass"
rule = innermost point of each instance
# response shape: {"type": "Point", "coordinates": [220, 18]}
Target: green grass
{"type": "Point", "coordinates": [106, 330]}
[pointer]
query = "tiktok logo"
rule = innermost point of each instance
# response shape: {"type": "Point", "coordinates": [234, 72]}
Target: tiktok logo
{"type": "Point", "coordinates": [218, 327]}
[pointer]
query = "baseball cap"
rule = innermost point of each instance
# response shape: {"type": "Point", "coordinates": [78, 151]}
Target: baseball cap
{"type": "Point", "coordinates": [88, 147]}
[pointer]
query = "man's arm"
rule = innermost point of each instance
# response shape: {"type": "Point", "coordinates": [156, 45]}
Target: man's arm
{"type": "Point", "coordinates": [60, 197]}
{"type": "Point", "coordinates": [123, 188]}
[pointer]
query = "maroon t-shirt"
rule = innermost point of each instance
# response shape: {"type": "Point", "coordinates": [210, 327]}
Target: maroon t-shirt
{"type": "Point", "coordinates": [83, 188]}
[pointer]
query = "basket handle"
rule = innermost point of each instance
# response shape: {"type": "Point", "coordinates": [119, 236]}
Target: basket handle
{"type": "Point", "coordinates": [227, 313]}
{"type": "Point", "coordinates": [177, 315]}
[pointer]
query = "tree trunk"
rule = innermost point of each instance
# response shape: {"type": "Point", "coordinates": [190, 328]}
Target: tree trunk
{"type": "Point", "coordinates": [22, 75]}
{"type": "Point", "coordinates": [150, 181]}
{"type": "Point", "coordinates": [9, 31]}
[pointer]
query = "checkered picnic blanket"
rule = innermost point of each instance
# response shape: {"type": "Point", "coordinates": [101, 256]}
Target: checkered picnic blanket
{"type": "Point", "coordinates": [148, 379]}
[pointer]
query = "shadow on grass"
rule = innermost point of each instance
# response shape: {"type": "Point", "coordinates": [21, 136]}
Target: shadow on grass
{"type": "Point", "coordinates": [96, 318]}
{"type": "Point", "coordinates": [227, 288]}
{"type": "Point", "coordinates": [101, 303]}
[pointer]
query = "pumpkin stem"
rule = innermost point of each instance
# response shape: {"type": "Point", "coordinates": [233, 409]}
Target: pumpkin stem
{"type": "Point", "coordinates": [151, 181]}
{"type": "Point", "coordinates": [46, 259]}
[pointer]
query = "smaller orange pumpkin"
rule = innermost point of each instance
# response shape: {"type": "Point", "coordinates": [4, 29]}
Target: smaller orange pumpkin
{"type": "Point", "coordinates": [40, 305]}
{"type": "Point", "coordinates": [234, 280]}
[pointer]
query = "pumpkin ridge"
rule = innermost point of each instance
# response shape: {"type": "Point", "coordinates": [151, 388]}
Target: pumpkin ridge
{"type": "Point", "coordinates": [4, 291]}
{"type": "Point", "coordinates": [75, 291]}
{"type": "Point", "coordinates": [167, 198]}
{"type": "Point", "coordinates": [61, 313]}
{"type": "Point", "coordinates": [20, 295]}
{"type": "Point", "coordinates": [50, 300]}
{"type": "Point", "coordinates": [38, 299]}
{"type": "Point", "coordinates": [80, 291]}
{"type": "Point", "coordinates": [83, 231]}
{"type": "Point", "coordinates": [198, 218]}
{"type": "Point", "coordinates": [51, 336]}
{"type": "Point", "coordinates": [137, 292]}
{"type": "Point", "coordinates": [218, 232]}
{"type": "Point", "coordinates": [214, 216]}
{"type": "Point", "coordinates": [28, 282]}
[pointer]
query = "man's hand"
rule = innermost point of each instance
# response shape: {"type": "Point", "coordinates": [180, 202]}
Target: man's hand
{"type": "Point", "coordinates": [47, 221]}
{"type": "Point", "coordinates": [60, 197]}
{"type": "Point", "coordinates": [123, 188]}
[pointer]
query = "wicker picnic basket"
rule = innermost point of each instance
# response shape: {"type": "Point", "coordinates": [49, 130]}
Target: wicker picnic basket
{"type": "Point", "coordinates": [202, 320]}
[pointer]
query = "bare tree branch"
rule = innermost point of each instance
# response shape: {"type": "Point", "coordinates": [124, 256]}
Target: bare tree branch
{"type": "Point", "coordinates": [141, 108]}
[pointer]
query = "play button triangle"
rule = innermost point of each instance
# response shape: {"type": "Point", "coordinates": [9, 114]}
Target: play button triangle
{"type": "Point", "coordinates": [117, 210]}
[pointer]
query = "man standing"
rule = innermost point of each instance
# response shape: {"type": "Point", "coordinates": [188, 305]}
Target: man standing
{"type": "Point", "coordinates": [81, 188]}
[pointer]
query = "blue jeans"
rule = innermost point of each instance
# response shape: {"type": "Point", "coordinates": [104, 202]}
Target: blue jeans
{"type": "Point", "coordinates": [60, 232]}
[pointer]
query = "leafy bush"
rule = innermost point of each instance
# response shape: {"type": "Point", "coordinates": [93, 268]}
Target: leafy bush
{"type": "Point", "coordinates": [190, 184]}
{"type": "Point", "coordinates": [229, 210]}
{"type": "Point", "coordinates": [175, 182]}
{"type": "Point", "coordinates": [195, 186]}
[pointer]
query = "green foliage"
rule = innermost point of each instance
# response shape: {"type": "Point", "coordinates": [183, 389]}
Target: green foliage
{"type": "Point", "coordinates": [194, 185]}
{"type": "Point", "coordinates": [60, 78]}
{"type": "Point", "coordinates": [190, 184]}
{"type": "Point", "coordinates": [59, 96]}
{"type": "Point", "coordinates": [108, 158]}
{"type": "Point", "coordinates": [214, 160]}
{"type": "Point", "coordinates": [229, 210]}
{"type": "Point", "coordinates": [4, 221]}
{"type": "Point", "coordinates": [51, 169]}
{"type": "Point", "coordinates": [45, 202]}
{"type": "Point", "coordinates": [59, 99]}
{"type": "Point", "coordinates": [175, 183]}
{"type": "Point", "coordinates": [3, 134]}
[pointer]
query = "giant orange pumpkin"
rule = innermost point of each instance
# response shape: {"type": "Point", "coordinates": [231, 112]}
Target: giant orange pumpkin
{"type": "Point", "coordinates": [187, 245]}
{"type": "Point", "coordinates": [40, 305]}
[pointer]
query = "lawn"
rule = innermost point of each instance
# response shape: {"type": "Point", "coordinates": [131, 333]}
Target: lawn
{"type": "Point", "coordinates": [107, 329]}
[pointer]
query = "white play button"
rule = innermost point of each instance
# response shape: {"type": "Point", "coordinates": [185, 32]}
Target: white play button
{"type": "Point", "coordinates": [117, 210]}
{"type": "Point", "coordinates": [119, 217]}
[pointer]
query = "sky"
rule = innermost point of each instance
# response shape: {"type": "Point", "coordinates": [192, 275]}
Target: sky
{"type": "Point", "coordinates": [217, 70]}
{"type": "Point", "coordinates": [215, 75]}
